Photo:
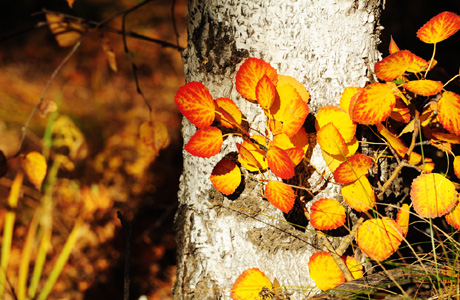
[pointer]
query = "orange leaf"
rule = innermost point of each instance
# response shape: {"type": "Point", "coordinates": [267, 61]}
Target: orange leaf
{"type": "Point", "coordinates": [457, 166]}
{"type": "Point", "coordinates": [449, 112]}
{"type": "Point", "coordinates": [299, 140]}
{"type": "Point", "coordinates": [249, 74]}
{"type": "Point", "coordinates": [295, 154]}
{"type": "Point", "coordinates": [398, 145]}
{"type": "Point", "coordinates": [453, 218]}
{"type": "Point", "coordinates": [251, 157]}
{"type": "Point", "coordinates": [401, 112]}
{"type": "Point", "coordinates": [419, 65]}
{"type": "Point", "coordinates": [355, 267]}
{"type": "Point", "coordinates": [359, 194]}
{"type": "Point", "coordinates": [374, 104]}
{"type": "Point", "coordinates": [265, 92]}
{"type": "Point", "coordinates": [402, 218]}
{"type": "Point", "coordinates": [394, 65]}
{"type": "Point", "coordinates": [195, 102]}
{"type": "Point", "coordinates": [439, 28]}
{"type": "Point", "coordinates": [433, 195]}
{"type": "Point", "coordinates": [34, 165]}
{"type": "Point", "coordinates": [324, 271]}
{"type": "Point", "coordinates": [206, 142]}
{"type": "Point", "coordinates": [446, 137]}
{"type": "Point", "coordinates": [226, 176]}
{"type": "Point", "coordinates": [327, 214]}
{"type": "Point", "coordinates": [353, 168]}
{"type": "Point", "coordinates": [280, 195]}
{"type": "Point", "coordinates": [379, 238]}
{"type": "Point", "coordinates": [330, 140]}
{"type": "Point", "coordinates": [333, 161]}
{"type": "Point", "coordinates": [280, 163]}
{"type": "Point", "coordinates": [393, 47]}
{"type": "Point", "coordinates": [349, 93]}
{"type": "Point", "coordinates": [154, 135]}
{"type": "Point", "coordinates": [424, 87]}
{"type": "Point", "coordinates": [289, 108]}
{"type": "Point", "coordinates": [340, 118]}
{"type": "Point", "coordinates": [227, 113]}
{"type": "Point", "coordinates": [250, 284]}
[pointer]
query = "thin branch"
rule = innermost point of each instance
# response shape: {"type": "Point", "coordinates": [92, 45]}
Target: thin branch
{"type": "Point", "coordinates": [133, 65]}
{"type": "Point", "coordinates": [173, 20]}
{"type": "Point", "coordinates": [126, 277]}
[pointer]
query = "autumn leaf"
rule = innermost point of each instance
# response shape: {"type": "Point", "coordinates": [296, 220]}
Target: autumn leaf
{"type": "Point", "coordinates": [66, 32]}
{"type": "Point", "coordinates": [265, 92]}
{"type": "Point", "coordinates": [453, 218]}
{"type": "Point", "coordinates": [401, 112]}
{"type": "Point", "coordinates": [393, 48]}
{"type": "Point", "coordinates": [300, 88]}
{"type": "Point", "coordinates": [327, 214]}
{"type": "Point", "coordinates": [348, 95]}
{"type": "Point", "coordinates": [433, 195]}
{"type": "Point", "coordinates": [402, 218]}
{"type": "Point", "coordinates": [280, 163]}
{"type": "Point", "coordinates": [289, 108]}
{"type": "Point", "coordinates": [374, 104]}
{"type": "Point", "coordinates": [457, 166]}
{"type": "Point", "coordinates": [110, 54]}
{"type": "Point", "coordinates": [295, 154]}
{"type": "Point", "coordinates": [251, 157]}
{"type": "Point", "coordinates": [398, 145]}
{"type": "Point", "coordinates": [439, 28]}
{"type": "Point", "coordinates": [353, 168]}
{"type": "Point", "coordinates": [34, 165]}
{"type": "Point", "coordinates": [424, 87]}
{"type": "Point", "coordinates": [340, 118]}
{"type": "Point", "coordinates": [227, 113]}
{"type": "Point", "coordinates": [299, 140]}
{"type": "Point", "coordinates": [280, 195]}
{"type": "Point", "coordinates": [250, 284]}
{"type": "Point", "coordinates": [355, 267]}
{"type": "Point", "coordinates": [195, 102]}
{"type": "Point", "coordinates": [154, 135]}
{"type": "Point", "coordinates": [330, 140]}
{"type": "Point", "coordinates": [324, 271]}
{"type": "Point", "coordinates": [206, 142]}
{"type": "Point", "coordinates": [419, 65]}
{"type": "Point", "coordinates": [379, 238]}
{"type": "Point", "coordinates": [249, 74]}
{"type": "Point", "coordinates": [226, 176]}
{"type": "Point", "coordinates": [359, 194]}
{"type": "Point", "coordinates": [394, 65]}
{"type": "Point", "coordinates": [333, 161]}
{"type": "Point", "coordinates": [449, 112]}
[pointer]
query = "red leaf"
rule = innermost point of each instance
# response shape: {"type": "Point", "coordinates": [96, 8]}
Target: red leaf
{"type": "Point", "coordinates": [206, 142]}
{"type": "Point", "coordinates": [280, 195]}
{"type": "Point", "coordinates": [280, 163]}
{"type": "Point", "coordinates": [195, 102]}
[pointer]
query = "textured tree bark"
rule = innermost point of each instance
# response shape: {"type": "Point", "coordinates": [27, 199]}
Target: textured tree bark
{"type": "Point", "coordinates": [326, 45]}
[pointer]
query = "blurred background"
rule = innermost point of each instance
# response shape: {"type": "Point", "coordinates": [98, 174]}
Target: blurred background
{"type": "Point", "coordinates": [90, 119]}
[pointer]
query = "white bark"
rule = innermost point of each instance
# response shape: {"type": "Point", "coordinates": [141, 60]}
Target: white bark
{"type": "Point", "coordinates": [326, 45]}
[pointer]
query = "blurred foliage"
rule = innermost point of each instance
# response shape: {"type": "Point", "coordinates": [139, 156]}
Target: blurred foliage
{"type": "Point", "coordinates": [89, 121]}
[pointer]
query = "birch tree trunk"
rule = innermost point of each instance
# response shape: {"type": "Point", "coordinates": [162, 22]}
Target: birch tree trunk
{"type": "Point", "coordinates": [326, 45]}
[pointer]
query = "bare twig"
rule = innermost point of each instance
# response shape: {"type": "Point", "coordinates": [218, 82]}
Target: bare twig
{"type": "Point", "coordinates": [126, 278]}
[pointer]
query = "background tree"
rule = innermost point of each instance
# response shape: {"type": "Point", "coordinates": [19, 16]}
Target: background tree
{"type": "Point", "coordinates": [326, 46]}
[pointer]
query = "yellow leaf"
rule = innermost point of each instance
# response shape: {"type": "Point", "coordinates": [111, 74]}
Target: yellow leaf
{"type": "Point", "coordinates": [402, 218]}
{"type": "Point", "coordinates": [374, 104]}
{"type": "Point", "coordinates": [66, 32]}
{"type": "Point", "coordinates": [379, 238]}
{"type": "Point", "coordinates": [280, 195]}
{"type": "Point", "coordinates": [324, 271]}
{"type": "Point", "coordinates": [449, 112]}
{"type": "Point", "coordinates": [355, 267]}
{"type": "Point", "coordinates": [226, 176]}
{"type": "Point", "coordinates": [250, 284]}
{"type": "Point", "coordinates": [433, 195]}
{"type": "Point", "coordinates": [327, 214]}
{"type": "Point", "coordinates": [34, 165]}
{"type": "Point", "coordinates": [359, 194]}
{"type": "Point", "coordinates": [154, 135]}
{"type": "Point", "coordinates": [110, 54]}
{"type": "Point", "coordinates": [439, 28]}
{"type": "Point", "coordinates": [340, 118]}
{"type": "Point", "coordinates": [330, 140]}
{"type": "Point", "coordinates": [424, 87]}
{"type": "Point", "coordinates": [251, 157]}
